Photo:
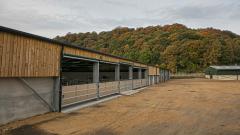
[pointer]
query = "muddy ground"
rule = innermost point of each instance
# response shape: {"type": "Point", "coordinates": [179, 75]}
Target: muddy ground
{"type": "Point", "coordinates": [178, 107]}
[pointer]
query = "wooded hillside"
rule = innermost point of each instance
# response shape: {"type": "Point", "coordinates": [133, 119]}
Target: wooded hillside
{"type": "Point", "coordinates": [175, 47]}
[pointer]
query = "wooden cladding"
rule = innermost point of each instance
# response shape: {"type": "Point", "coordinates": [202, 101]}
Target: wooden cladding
{"type": "Point", "coordinates": [27, 57]}
{"type": "Point", "coordinates": [152, 70]}
{"type": "Point", "coordinates": [87, 54]}
{"type": "Point", "coordinates": [24, 56]}
{"type": "Point", "coordinates": [157, 71]}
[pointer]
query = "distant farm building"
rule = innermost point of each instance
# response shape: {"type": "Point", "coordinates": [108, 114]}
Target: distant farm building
{"type": "Point", "coordinates": [223, 72]}
{"type": "Point", "coordinates": [39, 75]}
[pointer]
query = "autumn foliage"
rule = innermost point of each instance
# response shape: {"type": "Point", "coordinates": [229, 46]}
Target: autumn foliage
{"type": "Point", "coordinates": [175, 47]}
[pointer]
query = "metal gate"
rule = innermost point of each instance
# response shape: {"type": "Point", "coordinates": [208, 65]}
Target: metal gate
{"type": "Point", "coordinates": [108, 88]}
{"type": "Point", "coordinates": [137, 83]}
{"type": "Point", "coordinates": [78, 93]}
{"type": "Point", "coordinates": [144, 82]}
{"type": "Point", "coordinates": [150, 80]}
{"type": "Point", "coordinates": [125, 85]}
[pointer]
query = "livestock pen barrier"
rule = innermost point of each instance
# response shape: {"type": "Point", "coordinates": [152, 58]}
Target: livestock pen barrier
{"type": "Point", "coordinates": [74, 94]}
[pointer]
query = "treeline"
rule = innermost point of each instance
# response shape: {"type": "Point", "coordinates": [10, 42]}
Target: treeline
{"type": "Point", "coordinates": [175, 47]}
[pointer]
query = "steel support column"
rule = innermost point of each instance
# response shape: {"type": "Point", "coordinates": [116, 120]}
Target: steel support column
{"type": "Point", "coordinates": [139, 73]}
{"type": "Point", "coordinates": [117, 75]}
{"type": "Point", "coordinates": [131, 74]}
{"type": "Point", "coordinates": [96, 76]}
{"type": "Point", "coordinates": [146, 76]}
{"type": "Point", "coordinates": [164, 76]}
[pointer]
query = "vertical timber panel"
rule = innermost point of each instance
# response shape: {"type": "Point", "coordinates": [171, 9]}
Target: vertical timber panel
{"type": "Point", "coordinates": [21, 56]}
{"type": "Point", "coordinates": [4, 56]}
{"type": "Point", "coordinates": [1, 51]}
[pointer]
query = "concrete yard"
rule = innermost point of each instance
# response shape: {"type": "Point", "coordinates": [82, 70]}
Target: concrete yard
{"type": "Point", "coordinates": [178, 107]}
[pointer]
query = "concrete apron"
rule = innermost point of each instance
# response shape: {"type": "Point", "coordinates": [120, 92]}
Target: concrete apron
{"type": "Point", "coordinates": [105, 99]}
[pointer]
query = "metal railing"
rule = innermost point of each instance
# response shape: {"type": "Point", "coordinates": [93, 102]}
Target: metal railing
{"type": "Point", "coordinates": [73, 94]}
{"type": "Point", "coordinates": [144, 82]}
{"type": "Point", "coordinates": [125, 85]}
{"type": "Point", "coordinates": [78, 93]}
{"type": "Point", "coordinates": [137, 83]}
{"type": "Point", "coordinates": [108, 88]}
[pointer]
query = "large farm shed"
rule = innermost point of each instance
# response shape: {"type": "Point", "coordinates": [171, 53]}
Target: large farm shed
{"type": "Point", "coordinates": [223, 72]}
{"type": "Point", "coordinates": [39, 75]}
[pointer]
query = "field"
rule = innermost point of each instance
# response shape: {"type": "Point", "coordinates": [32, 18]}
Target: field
{"type": "Point", "coordinates": [178, 107]}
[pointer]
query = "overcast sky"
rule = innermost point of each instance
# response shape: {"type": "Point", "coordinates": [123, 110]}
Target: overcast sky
{"type": "Point", "coordinates": [57, 17]}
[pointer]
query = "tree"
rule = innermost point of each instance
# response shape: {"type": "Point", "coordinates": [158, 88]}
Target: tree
{"type": "Point", "coordinates": [175, 46]}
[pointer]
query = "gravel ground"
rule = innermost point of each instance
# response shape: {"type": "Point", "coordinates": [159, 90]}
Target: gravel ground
{"type": "Point", "coordinates": [178, 107]}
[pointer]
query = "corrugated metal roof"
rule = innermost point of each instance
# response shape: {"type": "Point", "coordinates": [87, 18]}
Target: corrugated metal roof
{"type": "Point", "coordinates": [226, 67]}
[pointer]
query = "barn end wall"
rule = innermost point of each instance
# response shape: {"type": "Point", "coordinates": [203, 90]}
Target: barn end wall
{"type": "Point", "coordinates": [223, 77]}
{"type": "Point", "coordinates": [18, 101]}
{"type": "Point", "coordinates": [226, 77]}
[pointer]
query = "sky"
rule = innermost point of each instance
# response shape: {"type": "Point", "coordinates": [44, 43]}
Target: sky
{"type": "Point", "coordinates": [50, 18]}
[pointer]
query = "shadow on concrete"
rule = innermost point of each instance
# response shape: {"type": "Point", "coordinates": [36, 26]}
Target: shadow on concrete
{"type": "Point", "coordinates": [28, 130]}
